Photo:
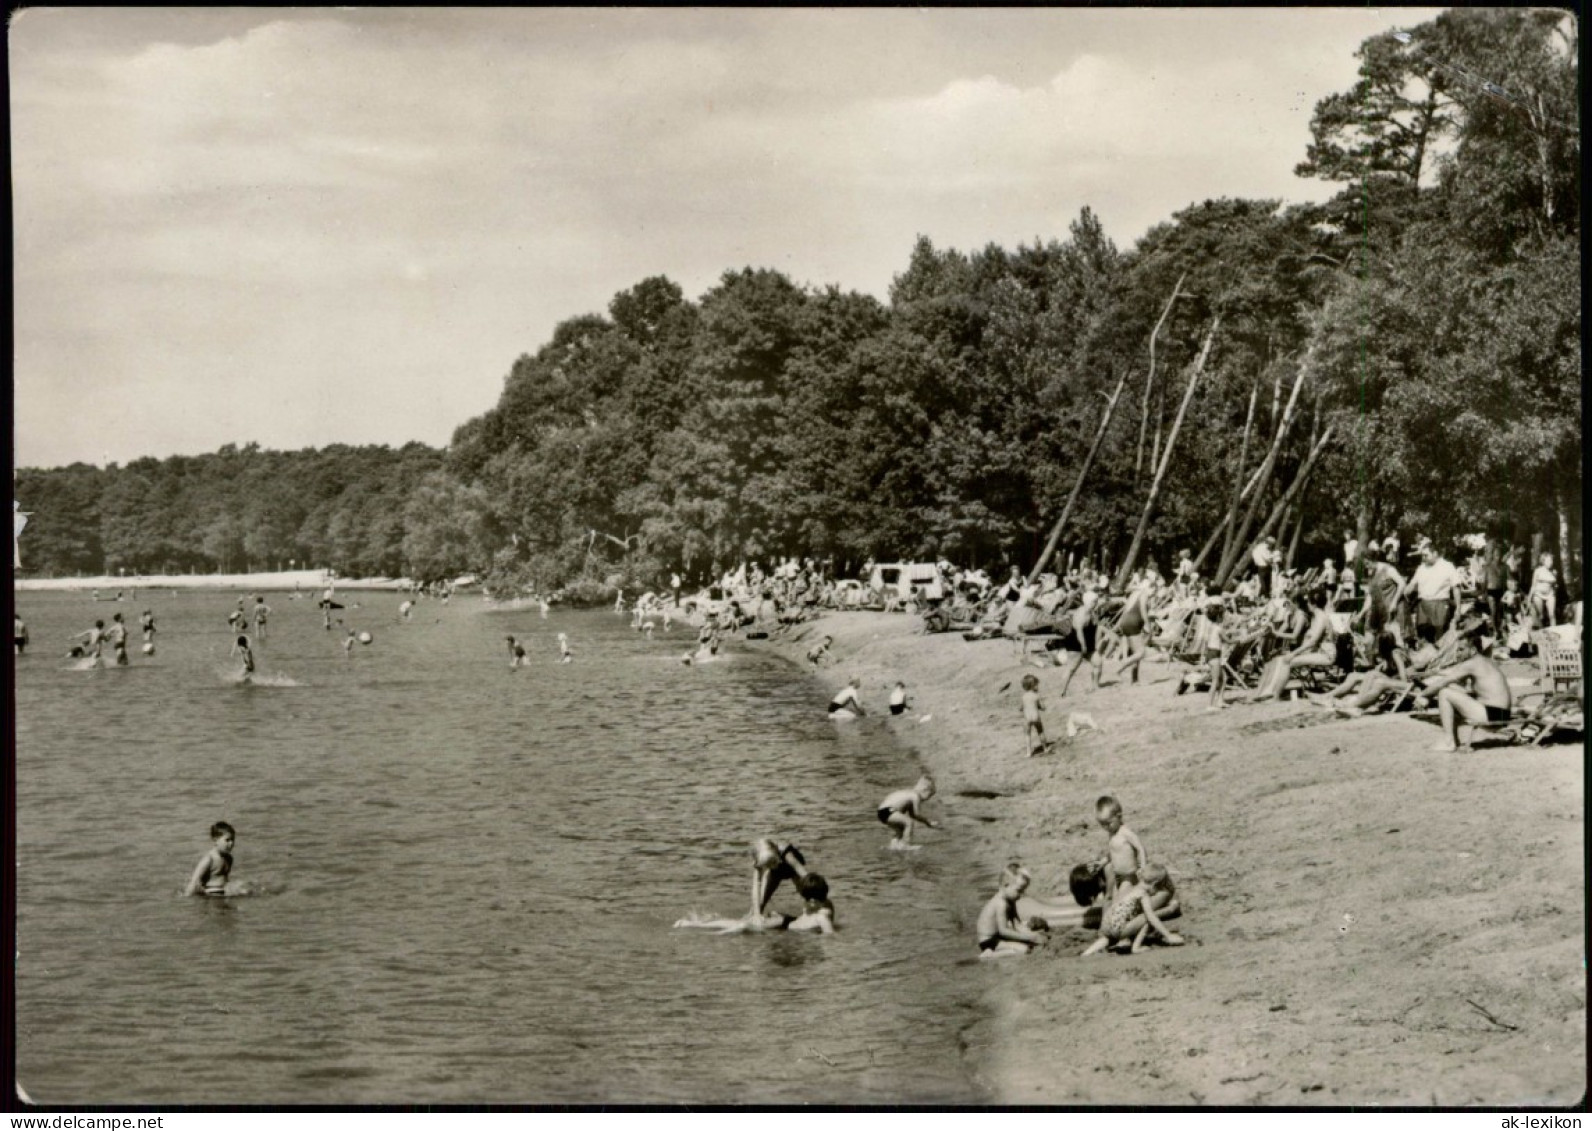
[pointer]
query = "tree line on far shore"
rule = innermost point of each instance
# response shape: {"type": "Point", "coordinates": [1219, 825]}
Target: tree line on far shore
{"type": "Point", "coordinates": [1404, 358]}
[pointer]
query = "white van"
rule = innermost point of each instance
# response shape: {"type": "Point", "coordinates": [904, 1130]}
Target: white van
{"type": "Point", "coordinates": [908, 579]}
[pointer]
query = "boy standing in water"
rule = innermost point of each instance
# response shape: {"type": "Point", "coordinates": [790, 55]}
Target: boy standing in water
{"type": "Point", "coordinates": [516, 652]}
{"type": "Point", "coordinates": [210, 877]}
{"type": "Point", "coordinates": [116, 637]}
{"type": "Point", "coordinates": [261, 612]}
{"type": "Point", "coordinates": [241, 645]}
{"type": "Point", "coordinates": [564, 654]}
{"type": "Point", "coordinates": [901, 808]}
{"type": "Point", "coordinates": [146, 623]}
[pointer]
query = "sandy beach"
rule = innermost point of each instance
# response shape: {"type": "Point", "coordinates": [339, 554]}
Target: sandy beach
{"type": "Point", "coordinates": [1368, 922]}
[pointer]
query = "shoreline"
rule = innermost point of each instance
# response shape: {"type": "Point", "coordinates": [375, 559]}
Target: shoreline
{"type": "Point", "coordinates": [303, 579]}
{"type": "Point", "coordinates": [1352, 898]}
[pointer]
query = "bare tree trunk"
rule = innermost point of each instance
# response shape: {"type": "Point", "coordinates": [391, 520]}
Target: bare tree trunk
{"type": "Point", "coordinates": [1166, 458]}
{"type": "Point", "coordinates": [1238, 473]}
{"type": "Point", "coordinates": [1149, 379]}
{"type": "Point", "coordinates": [1225, 570]}
{"type": "Point", "coordinates": [1088, 461]}
{"type": "Point", "coordinates": [1295, 487]}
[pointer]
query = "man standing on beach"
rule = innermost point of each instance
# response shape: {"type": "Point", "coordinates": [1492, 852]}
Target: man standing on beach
{"type": "Point", "coordinates": [1437, 586]}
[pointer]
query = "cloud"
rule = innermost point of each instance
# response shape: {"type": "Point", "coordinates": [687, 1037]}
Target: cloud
{"type": "Point", "coordinates": [376, 211]}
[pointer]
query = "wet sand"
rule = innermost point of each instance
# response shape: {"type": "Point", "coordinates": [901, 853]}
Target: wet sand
{"type": "Point", "coordinates": [1368, 922]}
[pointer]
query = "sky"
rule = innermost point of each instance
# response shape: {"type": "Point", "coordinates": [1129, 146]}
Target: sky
{"type": "Point", "coordinates": [306, 226]}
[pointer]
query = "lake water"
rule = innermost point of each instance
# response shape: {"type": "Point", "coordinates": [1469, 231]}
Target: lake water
{"type": "Point", "coordinates": [466, 875]}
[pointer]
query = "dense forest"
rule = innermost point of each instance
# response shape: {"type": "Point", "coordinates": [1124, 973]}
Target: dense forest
{"type": "Point", "coordinates": [1403, 358]}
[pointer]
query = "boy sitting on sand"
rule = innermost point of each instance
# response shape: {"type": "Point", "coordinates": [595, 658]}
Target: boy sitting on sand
{"type": "Point", "coordinates": [901, 808]}
{"type": "Point", "coordinates": [1132, 914]}
{"type": "Point", "coordinates": [210, 877]}
{"type": "Point", "coordinates": [1000, 930]}
{"type": "Point", "coordinates": [816, 654]}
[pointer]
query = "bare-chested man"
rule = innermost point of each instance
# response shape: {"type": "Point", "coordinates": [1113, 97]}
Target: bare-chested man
{"type": "Point", "coordinates": [1487, 699]}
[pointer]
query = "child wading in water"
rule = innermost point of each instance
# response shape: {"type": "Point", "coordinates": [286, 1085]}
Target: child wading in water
{"type": "Point", "coordinates": [241, 647]}
{"type": "Point", "coordinates": [1034, 716]}
{"type": "Point", "coordinates": [210, 877]}
{"type": "Point", "coordinates": [516, 652]}
{"type": "Point", "coordinates": [1132, 913]}
{"type": "Point", "coordinates": [1000, 930]}
{"type": "Point", "coordinates": [898, 699]}
{"type": "Point", "coordinates": [902, 807]}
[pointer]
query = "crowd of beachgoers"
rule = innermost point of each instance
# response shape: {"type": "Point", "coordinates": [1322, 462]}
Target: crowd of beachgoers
{"type": "Point", "coordinates": [1376, 633]}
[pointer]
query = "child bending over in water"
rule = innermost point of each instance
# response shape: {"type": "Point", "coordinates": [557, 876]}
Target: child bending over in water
{"type": "Point", "coordinates": [1000, 930]}
{"type": "Point", "coordinates": [210, 877]}
{"type": "Point", "coordinates": [901, 808]}
{"type": "Point", "coordinates": [1125, 855]}
{"type": "Point", "coordinates": [1132, 913]}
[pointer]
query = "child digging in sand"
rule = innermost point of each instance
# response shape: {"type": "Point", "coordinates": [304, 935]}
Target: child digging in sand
{"type": "Point", "coordinates": [1132, 914]}
{"type": "Point", "coordinates": [901, 808]}
{"type": "Point", "coordinates": [1000, 930]}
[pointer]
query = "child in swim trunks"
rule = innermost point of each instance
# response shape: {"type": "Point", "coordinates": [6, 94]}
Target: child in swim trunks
{"type": "Point", "coordinates": [516, 652]}
{"type": "Point", "coordinates": [1132, 914]}
{"type": "Point", "coordinates": [1125, 855]}
{"type": "Point", "coordinates": [898, 699]}
{"type": "Point", "coordinates": [210, 877]}
{"type": "Point", "coordinates": [241, 647]}
{"type": "Point", "coordinates": [901, 808]}
{"type": "Point", "coordinates": [564, 654]}
{"type": "Point", "coordinates": [1033, 716]}
{"type": "Point", "coordinates": [1000, 930]}
{"type": "Point", "coordinates": [846, 704]}
{"type": "Point", "coordinates": [816, 654]}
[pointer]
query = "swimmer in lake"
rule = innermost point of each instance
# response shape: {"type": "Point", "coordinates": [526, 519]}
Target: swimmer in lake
{"type": "Point", "coordinates": [771, 866]}
{"type": "Point", "coordinates": [210, 877]}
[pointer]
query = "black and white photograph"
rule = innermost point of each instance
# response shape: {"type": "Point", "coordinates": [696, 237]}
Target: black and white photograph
{"type": "Point", "coordinates": [947, 559]}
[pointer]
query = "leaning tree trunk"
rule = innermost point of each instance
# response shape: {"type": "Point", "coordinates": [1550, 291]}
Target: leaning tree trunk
{"type": "Point", "coordinates": [1225, 571]}
{"type": "Point", "coordinates": [1166, 458]}
{"type": "Point", "coordinates": [1238, 474]}
{"type": "Point", "coordinates": [1149, 380]}
{"type": "Point", "coordinates": [1296, 486]}
{"type": "Point", "coordinates": [1088, 460]}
